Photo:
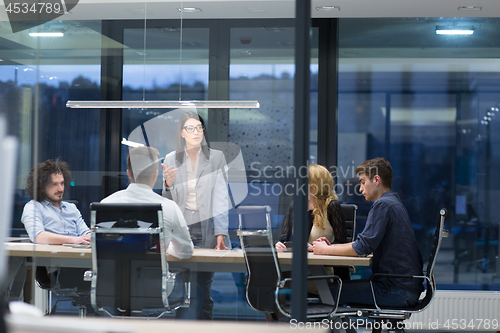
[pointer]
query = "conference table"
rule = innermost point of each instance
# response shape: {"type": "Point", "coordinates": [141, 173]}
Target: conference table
{"type": "Point", "coordinates": [22, 255]}
{"type": "Point", "coordinates": [202, 260]}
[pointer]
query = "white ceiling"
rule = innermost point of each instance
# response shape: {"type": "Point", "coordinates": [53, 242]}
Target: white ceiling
{"type": "Point", "coordinates": [161, 9]}
{"type": "Point", "coordinates": [372, 41]}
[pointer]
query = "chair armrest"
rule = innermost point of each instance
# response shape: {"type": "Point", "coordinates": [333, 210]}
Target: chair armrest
{"type": "Point", "coordinates": [397, 276]}
{"type": "Point", "coordinates": [376, 275]}
{"type": "Point", "coordinates": [182, 272]}
{"type": "Point", "coordinates": [320, 277]}
{"type": "Point", "coordinates": [315, 277]}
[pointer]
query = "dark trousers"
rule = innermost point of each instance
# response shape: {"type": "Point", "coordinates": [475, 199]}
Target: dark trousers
{"type": "Point", "coordinates": [202, 304]}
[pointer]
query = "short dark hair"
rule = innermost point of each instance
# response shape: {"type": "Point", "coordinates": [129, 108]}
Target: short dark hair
{"type": "Point", "coordinates": [142, 162]}
{"type": "Point", "coordinates": [377, 166]}
{"type": "Point", "coordinates": [180, 142]}
{"type": "Point", "coordinates": [44, 171]}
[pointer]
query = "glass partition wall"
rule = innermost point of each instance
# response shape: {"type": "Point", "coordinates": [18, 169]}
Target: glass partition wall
{"type": "Point", "coordinates": [152, 52]}
{"type": "Point", "coordinates": [429, 106]}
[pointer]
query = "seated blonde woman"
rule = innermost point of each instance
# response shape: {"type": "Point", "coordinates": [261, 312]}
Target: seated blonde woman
{"type": "Point", "coordinates": [325, 215]}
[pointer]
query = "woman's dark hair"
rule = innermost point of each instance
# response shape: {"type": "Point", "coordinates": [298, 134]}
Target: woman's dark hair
{"type": "Point", "coordinates": [180, 142]}
{"type": "Point", "coordinates": [44, 171]}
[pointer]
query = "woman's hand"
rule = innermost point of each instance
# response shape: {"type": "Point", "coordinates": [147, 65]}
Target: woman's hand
{"type": "Point", "coordinates": [280, 247]}
{"type": "Point", "coordinates": [322, 246]}
{"type": "Point", "coordinates": [169, 173]}
{"type": "Point", "coordinates": [323, 239]}
{"type": "Point", "coordinates": [309, 247]}
{"type": "Point", "coordinates": [220, 243]}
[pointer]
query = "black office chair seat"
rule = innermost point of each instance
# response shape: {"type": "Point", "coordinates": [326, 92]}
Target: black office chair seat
{"type": "Point", "coordinates": [316, 310]}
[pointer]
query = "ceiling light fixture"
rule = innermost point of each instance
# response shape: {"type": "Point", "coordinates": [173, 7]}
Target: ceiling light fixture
{"type": "Point", "coordinates": [327, 8]}
{"type": "Point", "coordinates": [255, 10]}
{"type": "Point", "coordinates": [46, 34]}
{"type": "Point", "coordinates": [470, 8]}
{"type": "Point", "coordinates": [274, 29]}
{"type": "Point", "coordinates": [163, 104]}
{"type": "Point", "coordinates": [131, 143]}
{"type": "Point", "coordinates": [189, 9]}
{"type": "Point", "coordinates": [440, 30]}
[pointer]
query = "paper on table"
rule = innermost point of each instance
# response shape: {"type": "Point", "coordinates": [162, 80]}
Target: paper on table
{"type": "Point", "coordinates": [141, 224]}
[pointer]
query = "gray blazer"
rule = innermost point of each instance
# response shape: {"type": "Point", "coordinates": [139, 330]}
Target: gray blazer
{"type": "Point", "coordinates": [211, 193]}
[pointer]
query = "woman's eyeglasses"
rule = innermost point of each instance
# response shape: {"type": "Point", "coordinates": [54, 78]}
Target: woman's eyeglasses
{"type": "Point", "coordinates": [190, 129]}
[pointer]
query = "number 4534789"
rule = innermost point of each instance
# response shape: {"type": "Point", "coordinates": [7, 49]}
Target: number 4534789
{"type": "Point", "coordinates": [472, 324]}
{"type": "Point", "coordinates": [35, 8]}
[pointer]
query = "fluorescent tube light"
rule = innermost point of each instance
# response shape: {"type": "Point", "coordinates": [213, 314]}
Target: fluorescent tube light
{"type": "Point", "coordinates": [327, 8]}
{"type": "Point", "coordinates": [469, 8]}
{"type": "Point", "coordinates": [131, 143]}
{"type": "Point", "coordinates": [189, 9]}
{"type": "Point", "coordinates": [163, 104]}
{"type": "Point", "coordinates": [46, 34]}
{"type": "Point", "coordinates": [451, 30]}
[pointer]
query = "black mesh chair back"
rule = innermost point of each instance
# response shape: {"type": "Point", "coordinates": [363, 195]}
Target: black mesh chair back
{"type": "Point", "coordinates": [256, 241]}
{"type": "Point", "coordinates": [439, 233]}
{"type": "Point", "coordinates": [349, 211]}
{"type": "Point", "coordinates": [264, 272]}
{"type": "Point", "coordinates": [128, 277]}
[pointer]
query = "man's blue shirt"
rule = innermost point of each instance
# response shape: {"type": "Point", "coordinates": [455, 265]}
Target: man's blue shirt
{"type": "Point", "coordinates": [388, 234]}
{"type": "Point", "coordinates": [43, 216]}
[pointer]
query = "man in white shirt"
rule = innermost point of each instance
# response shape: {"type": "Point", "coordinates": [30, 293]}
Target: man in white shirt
{"type": "Point", "coordinates": [142, 169]}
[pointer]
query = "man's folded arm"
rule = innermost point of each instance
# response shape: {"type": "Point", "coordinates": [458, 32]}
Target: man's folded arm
{"type": "Point", "coordinates": [47, 237]}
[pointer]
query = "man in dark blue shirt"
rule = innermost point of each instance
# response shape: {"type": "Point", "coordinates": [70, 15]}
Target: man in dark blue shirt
{"type": "Point", "coordinates": [388, 234]}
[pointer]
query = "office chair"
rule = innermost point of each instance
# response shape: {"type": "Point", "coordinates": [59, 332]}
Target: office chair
{"type": "Point", "coordinates": [349, 211]}
{"type": "Point", "coordinates": [264, 273]}
{"type": "Point", "coordinates": [129, 279]}
{"type": "Point", "coordinates": [395, 315]}
{"type": "Point", "coordinates": [67, 283]}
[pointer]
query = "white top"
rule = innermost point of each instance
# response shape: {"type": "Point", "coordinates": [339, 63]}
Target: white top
{"type": "Point", "coordinates": [317, 233]}
{"type": "Point", "coordinates": [175, 229]}
{"type": "Point", "coordinates": [191, 202]}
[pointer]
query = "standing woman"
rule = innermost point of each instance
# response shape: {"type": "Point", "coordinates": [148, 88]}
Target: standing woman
{"type": "Point", "coordinates": [194, 177]}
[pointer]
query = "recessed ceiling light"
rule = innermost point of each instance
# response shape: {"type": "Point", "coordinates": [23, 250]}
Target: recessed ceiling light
{"type": "Point", "coordinates": [440, 30]}
{"type": "Point", "coordinates": [327, 8]}
{"type": "Point", "coordinates": [168, 29]}
{"type": "Point", "coordinates": [274, 29]}
{"type": "Point", "coordinates": [140, 11]}
{"type": "Point", "coordinates": [255, 10]}
{"type": "Point", "coordinates": [470, 8]}
{"type": "Point", "coordinates": [46, 34]}
{"type": "Point", "coordinates": [189, 9]}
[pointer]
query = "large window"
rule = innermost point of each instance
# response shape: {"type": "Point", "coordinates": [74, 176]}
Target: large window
{"type": "Point", "coordinates": [38, 77]}
{"type": "Point", "coordinates": [428, 103]}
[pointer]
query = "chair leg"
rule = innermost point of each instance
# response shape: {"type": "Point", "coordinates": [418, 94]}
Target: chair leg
{"type": "Point", "coordinates": [270, 317]}
{"type": "Point", "coordinates": [377, 326]}
{"type": "Point", "coordinates": [82, 311]}
{"type": "Point", "coordinates": [394, 326]}
{"type": "Point", "coordinates": [347, 320]}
